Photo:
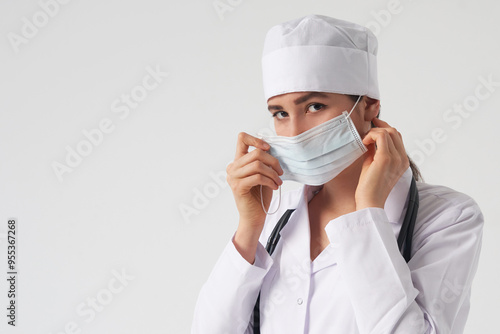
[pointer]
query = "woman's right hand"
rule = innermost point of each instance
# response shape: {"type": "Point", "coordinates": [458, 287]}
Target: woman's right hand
{"type": "Point", "coordinates": [246, 173]}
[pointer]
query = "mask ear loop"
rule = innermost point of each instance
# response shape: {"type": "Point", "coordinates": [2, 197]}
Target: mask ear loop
{"type": "Point", "coordinates": [262, 202]}
{"type": "Point", "coordinates": [353, 106]}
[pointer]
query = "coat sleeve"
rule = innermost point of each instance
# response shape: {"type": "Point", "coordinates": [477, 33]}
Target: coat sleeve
{"type": "Point", "coordinates": [430, 294]}
{"type": "Point", "coordinates": [226, 300]}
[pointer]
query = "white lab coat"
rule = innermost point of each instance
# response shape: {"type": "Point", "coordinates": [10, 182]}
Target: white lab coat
{"type": "Point", "coordinates": [360, 283]}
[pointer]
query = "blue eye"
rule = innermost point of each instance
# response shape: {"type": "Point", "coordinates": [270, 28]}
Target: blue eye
{"type": "Point", "coordinates": [280, 114]}
{"type": "Point", "coordinates": [318, 107]}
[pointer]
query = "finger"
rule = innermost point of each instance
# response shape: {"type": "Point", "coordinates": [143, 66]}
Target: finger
{"type": "Point", "coordinates": [245, 141]}
{"type": "Point", "coordinates": [382, 139]}
{"type": "Point", "coordinates": [397, 140]}
{"type": "Point", "coordinates": [395, 135]}
{"type": "Point", "coordinates": [260, 155]}
{"type": "Point", "coordinates": [380, 123]}
{"type": "Point", "coordinates": [257, 167]}
{"type": "Point", "coordinates": [256, 180]}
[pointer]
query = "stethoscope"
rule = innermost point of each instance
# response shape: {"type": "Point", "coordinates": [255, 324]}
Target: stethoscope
{"type": "Point", "coordinates": [404, 239]}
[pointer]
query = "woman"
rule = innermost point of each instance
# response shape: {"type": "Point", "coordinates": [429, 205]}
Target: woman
{"type": "Point", "coordinates": [337, 267]}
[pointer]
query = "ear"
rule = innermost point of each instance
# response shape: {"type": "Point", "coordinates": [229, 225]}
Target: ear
{"type": "Point", "coordinates": [371, 108]}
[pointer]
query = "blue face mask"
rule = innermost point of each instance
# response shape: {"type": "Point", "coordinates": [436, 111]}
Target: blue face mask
{"type": "Point", "coordinates": [319, 154]}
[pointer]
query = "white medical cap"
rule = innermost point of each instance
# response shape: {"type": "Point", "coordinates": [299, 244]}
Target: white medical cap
{"type": "Point", "coordinates": [320, 53]}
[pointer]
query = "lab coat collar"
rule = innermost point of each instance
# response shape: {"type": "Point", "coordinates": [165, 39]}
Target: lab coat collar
{"type": "Point", "coordinates": [296, 233]}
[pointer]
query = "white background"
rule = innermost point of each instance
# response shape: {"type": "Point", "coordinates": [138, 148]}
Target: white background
{"type": "Point", "coordinates": [119, 209]}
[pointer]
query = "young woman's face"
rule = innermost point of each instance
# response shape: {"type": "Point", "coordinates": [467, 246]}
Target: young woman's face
{"type": "Point", "coordinates": [297, 112]}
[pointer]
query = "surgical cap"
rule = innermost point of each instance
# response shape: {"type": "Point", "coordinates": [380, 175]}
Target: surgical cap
{"type": "Point", "coordinates": [320, 53]}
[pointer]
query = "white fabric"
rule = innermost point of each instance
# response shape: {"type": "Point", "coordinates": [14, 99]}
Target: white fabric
{"type": "Point", "coordinates": [360, 283]}
{"type": "Point", "coordinates": [320, 53]}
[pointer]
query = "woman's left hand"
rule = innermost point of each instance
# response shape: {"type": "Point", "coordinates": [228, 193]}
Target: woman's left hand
{"type": "Point", "coordinates": [382, 167]}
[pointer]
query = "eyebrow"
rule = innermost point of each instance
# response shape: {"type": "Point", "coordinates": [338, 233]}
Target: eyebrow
{"type": "Point", "coordinates": [299, 100]}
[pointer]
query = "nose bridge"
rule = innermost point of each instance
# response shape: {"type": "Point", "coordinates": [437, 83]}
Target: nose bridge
{"type": "Point", "coordinates": [292, 130]}
{"type": "Point", "coordinates": [296, 126]}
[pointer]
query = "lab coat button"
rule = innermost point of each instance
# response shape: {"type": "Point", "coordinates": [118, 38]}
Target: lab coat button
{"type": "Point", "coordinates": [299, 301]}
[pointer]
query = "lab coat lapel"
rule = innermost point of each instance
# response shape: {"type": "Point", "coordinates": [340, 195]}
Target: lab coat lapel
{"type": "Point", "coordinates": [296, 237]}
{"type": "Point", "coordinates": [396, 201]}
